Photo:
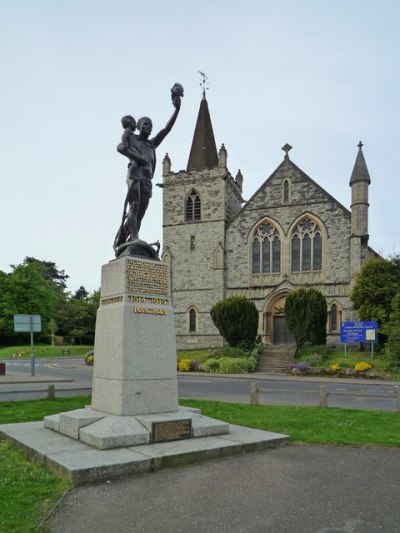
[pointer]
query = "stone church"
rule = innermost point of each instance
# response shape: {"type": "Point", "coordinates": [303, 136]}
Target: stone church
{"type": "Point", "coordinates": [291, 233]}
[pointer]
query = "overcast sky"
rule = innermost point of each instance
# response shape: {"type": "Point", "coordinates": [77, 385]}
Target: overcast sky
{"type": "Point", "coordinates": [320, 75]}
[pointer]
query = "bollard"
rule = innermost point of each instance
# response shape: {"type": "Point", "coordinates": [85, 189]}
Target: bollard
{"type": "Point", "coordinates": [398, 400]}
{"type": "Point", "coordinates": [254, 394]}
{"type": "Point", "coordinates": [51, 392]}
{"type": "Point", "coordinates": [323, 397]}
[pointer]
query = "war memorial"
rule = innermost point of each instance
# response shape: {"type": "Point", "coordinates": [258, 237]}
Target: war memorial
{"type": "Point", "coordinates": [134, 423]}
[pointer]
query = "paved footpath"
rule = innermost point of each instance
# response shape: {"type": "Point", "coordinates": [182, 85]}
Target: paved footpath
{"type": "Point", "coordinates": [291, 489]}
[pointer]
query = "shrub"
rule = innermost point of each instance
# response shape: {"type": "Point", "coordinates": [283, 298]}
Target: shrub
{"type": "Point", "coordinates": [184, 365]}
{"type": "Point", "coordinates": [252, 363]}
{"type": "Point", "coordinates": [196, 366]}
{"type": "Point", "coordinates": [236, 319]}
{"type": "Point", "coordinates": [229, 351]}
{"type": "Point", "coordinates": [392, 330]}
{"type": "Point", "coordinates": [323, 351]}
{"type": "Point", "coordinates": [211, 365]}
{"type": "Point", "coordinates": [234, 365]}
{"type": "Point", "coordinates": [247, 346]}
{"type": "Point", "coordinates": [306, 315]}
{"type": "Point", "coordinates": [89, 357]}
{"type": "Point", "coordinates": [313, 360]}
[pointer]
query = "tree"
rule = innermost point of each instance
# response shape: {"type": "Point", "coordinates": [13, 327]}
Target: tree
{"type": "Point", "coordinates": [27, 290]}
{"type": "Point", "coordinates": [81, 293]}
{"type": "Point", "coordinates": [77, 318]}
{"type": "Point", "coordinates": [376, 284]}
{"type": "Point", "coordinates": [50, 271]}
{"type": "Point", "coordinates": [306, 314]}
{"type": "Point", "coordinates": [236, 319]}
{"type": "Point", "coordinates": [392, 330]}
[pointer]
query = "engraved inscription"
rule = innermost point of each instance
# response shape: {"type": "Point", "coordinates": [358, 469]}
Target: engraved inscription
{"type": "Point", "coordinates": [143, 300]}
{"type": "Point", "coordinates": [147, 278]}
{"type": "Point", "coordinates": [149, 311]}
{"type": "Point", "coordinates": [173, 430]}
{"type": "Point", "coordinates": [107, 301]}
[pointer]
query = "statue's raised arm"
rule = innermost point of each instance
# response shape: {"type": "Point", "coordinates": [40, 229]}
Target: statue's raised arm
{"type": "Point", "coordinates": [176, 95]}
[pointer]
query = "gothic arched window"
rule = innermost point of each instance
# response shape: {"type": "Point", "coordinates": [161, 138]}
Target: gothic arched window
{"type": "Point", "coordinates": [334, 317]}
{"type": "Point", "coordinates": [193, 206]}
{"type": "Point", "coordinates": [306, 246]}
{"type": "Point", "coordinates": [192, 320]}
{"type": "Point", "coordinates": [266, 249]}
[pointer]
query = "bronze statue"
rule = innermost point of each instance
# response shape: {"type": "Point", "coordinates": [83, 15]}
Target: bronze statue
{"type": "Point", "coordinates": [141, 152]}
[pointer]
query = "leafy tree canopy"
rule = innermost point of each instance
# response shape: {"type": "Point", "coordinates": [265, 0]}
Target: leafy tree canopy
{"type": "Point", "coordinates": [375, 286]}
{"type": "Point", "coordinates": [50, 271]}
{"type": "Point", "coordinates": [81, 293]}
{"type": "Point", "coordinates": [38, 287]}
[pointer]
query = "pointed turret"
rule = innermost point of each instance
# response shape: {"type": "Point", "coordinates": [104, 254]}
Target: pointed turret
{"type": "Point", "coordinates": [203, 153]}
{"type": "Point", "coordinates": [359, 183]}
{"type": "Point", "coordinates": [360, 170]}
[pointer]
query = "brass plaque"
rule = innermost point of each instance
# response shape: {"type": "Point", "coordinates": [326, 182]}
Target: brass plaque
{"type": "Point", "coordinates": [171, 430]}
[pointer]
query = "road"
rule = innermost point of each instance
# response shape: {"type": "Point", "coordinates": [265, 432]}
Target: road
{"type": "Point", "coordinates": [274, 390]}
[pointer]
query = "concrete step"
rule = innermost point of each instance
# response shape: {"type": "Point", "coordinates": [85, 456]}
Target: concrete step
{"type": "Point", "coordinates": [275, 359]}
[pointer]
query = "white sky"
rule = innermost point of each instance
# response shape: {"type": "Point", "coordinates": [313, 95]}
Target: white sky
{"type": "Point", "coordinates": [319, 74]}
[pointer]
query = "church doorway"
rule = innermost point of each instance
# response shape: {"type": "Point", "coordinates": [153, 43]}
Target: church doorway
{"type": "Point", "coordinates": [282, 333]}
{"type": "Point", "coordinates": [276, 330]}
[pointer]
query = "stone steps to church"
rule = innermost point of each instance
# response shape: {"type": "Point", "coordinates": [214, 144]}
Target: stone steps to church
{"type": "Point", "coordinates": [274, 359]}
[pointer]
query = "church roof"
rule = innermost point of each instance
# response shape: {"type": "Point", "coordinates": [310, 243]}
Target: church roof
{"type": "Point", "coordinates": [360, 170]}
{"type": "Point", "coordinates": [203, 153]}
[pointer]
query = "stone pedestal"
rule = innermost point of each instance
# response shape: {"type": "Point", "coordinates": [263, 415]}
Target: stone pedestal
{"type": "Point", "coordinates": [135, 350]}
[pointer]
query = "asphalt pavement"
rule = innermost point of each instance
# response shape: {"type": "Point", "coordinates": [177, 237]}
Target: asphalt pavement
{"type": "Point", "coordinates": [290, 489]}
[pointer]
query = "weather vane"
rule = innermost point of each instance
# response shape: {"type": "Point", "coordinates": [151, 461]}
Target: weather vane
{"type": "Point", "coordinates": [204, 82]}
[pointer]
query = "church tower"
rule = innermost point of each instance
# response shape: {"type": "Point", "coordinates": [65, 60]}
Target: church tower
{"type": "Point", "coordinates": [359, 183]}
{"type": "Point", "coordinates": [198, 205]}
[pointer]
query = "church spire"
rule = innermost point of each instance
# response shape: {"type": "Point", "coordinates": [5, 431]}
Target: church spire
{"type": "Point", "coordinates": [360, 170]}
{"type": "Point", "coordinates": [203, 153]}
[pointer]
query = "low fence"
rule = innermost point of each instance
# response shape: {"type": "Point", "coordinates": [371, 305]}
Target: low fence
{"type": "Point", "coordinates": [323, 394]}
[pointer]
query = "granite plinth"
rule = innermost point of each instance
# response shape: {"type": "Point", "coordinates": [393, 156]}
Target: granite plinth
{"type": "Point", "coordinates": [135, 349]}
{"type": "Point", "coordinates": [104, 431]}
{"type": "Point", "coordinates": [82, 464]}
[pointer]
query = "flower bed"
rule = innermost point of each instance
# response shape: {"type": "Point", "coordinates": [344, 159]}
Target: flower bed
{"type": "Point", "coordinates": [360, 370]}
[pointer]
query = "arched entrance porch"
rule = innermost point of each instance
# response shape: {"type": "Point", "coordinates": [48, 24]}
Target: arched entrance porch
{"type": "Point", "coordinates": [276, 330]}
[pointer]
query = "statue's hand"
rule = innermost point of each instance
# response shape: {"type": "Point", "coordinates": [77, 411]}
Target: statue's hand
{"type": "Point", "coordinates": [177, 102]}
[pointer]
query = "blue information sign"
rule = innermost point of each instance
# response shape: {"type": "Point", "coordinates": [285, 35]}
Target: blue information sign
{"type": "Point", "coordinates": [358, 332]}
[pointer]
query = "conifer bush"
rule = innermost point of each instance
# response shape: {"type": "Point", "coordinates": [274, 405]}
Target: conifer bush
{"type": "Point", "coordinates": [236, 319]}
{"type": "Point", "coordinates": [306, 315]}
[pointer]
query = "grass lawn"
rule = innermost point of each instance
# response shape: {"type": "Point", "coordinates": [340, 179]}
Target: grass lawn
{"type": "Point", "coordinates": [43, 350]}
{"type": "Point", "coordinates": [195, 355]}
{"type": "Point", "coordinates": [310, 425]}
{"type": "Point", "coordinates": [28, 491]}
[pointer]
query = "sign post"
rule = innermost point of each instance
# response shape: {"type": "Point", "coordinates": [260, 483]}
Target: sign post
{"type": "Point", "coordinates": [358, 332]}
{"type": "Point", "coordinates": [31, 324]}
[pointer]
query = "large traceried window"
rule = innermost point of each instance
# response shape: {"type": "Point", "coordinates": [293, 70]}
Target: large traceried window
{"type": "Point", "coordinates": [266, 249]}
{"type": "Point", "coordinates": [193, 206]}
{"type": "Point", "coordinates": [306, 246]}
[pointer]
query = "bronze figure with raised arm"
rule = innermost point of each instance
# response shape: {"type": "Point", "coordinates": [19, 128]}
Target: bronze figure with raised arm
{"type": "Point", "coordinates": [141, 151]}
